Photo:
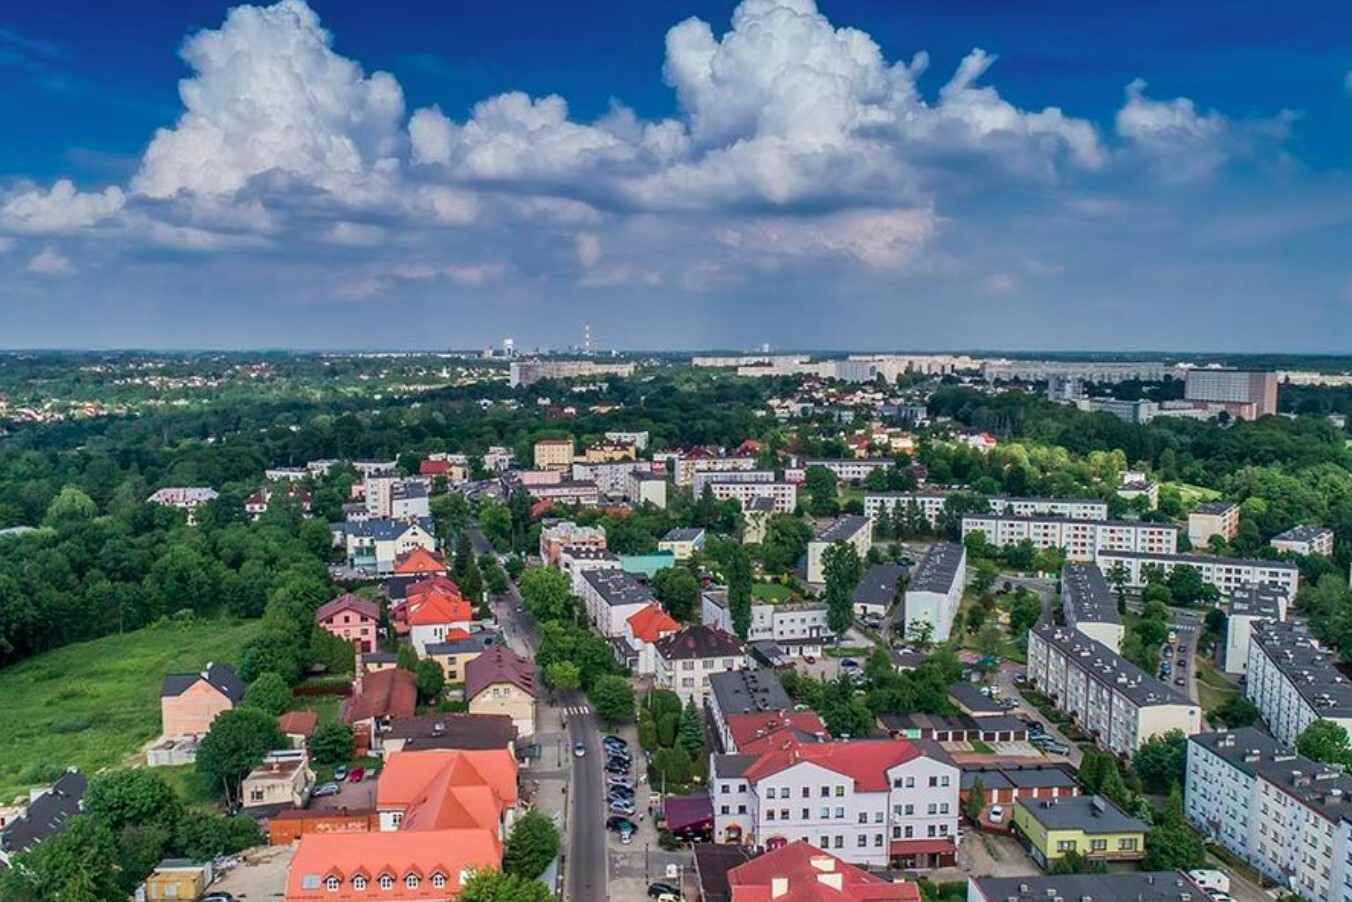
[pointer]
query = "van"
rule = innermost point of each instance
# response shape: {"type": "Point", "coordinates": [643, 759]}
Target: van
{"type": "Point", "coordinates": [1211, 880]}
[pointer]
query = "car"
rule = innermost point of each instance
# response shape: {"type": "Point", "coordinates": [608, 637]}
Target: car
{"type": "Point", "coordinates": [1167, 651]}
{"type": "Point", "coordinates": [616, 780]}
{"type": "Point", "coordinates": [580, 750]}
{"type": "Point", "coordinates": [1056, 748]}
{"type": "Point", "coordinates": [340, 773]}
{"type": "Point", "coordinates": [809, 659]}
{"type": "Point", "coordinates": [622, 757]}
{"type": "Point", "coordinates": [1181, 663]}
{"type": "Point", "coordinates": [626, 837]}
{"type": "Point", "coordinates": [614, 742]}
{"type": "Point", "coordinates": [615, 823]}
{"type": "Point", "coordinates": [657, 889]}
{"type": "Point", "coordinates": [1020, 679]}
{"type": "Point", "coordinates": [997, 815]}
{"type": "Point", "coordinates": [617, 794]}
{"type": "Point", "coordinates": [1180, 681]}
{"type": "Point", "coordinates": [669, 897]}
{"type": "Point", "coordinates": [217, 896]}
{"type": "Point", "coordinates": [622, 806]}
{"type": "Point", "coordinates": [615, 767]}
{"type": "Point", "coordinates": [1009, 704]}
{"type": "Point", "coordinates": [327, 789]}
{"type": "Point", "coordinates": [848, 663]}
{"type": "Point", "coordinates": [355, 775]}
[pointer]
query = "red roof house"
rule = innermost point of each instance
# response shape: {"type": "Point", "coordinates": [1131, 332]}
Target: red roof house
{"type": "Point", "coordinates": [800, 872]}
{"type": "Point", "coordinates": [384, 694]}
{"type": "Point", "coordinates": [353, 618]}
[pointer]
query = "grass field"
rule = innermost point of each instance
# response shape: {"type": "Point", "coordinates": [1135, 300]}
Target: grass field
{"type": "Point", "coordinates": [772, 592]}
{"type": "Point", "coordinates": [1213, 690]}
{"type": "Point", "coordinates": [95, 704]}
{"type": "Point", "coordinates": [1194, 493]}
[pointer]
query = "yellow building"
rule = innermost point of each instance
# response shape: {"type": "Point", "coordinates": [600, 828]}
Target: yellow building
{"type": "Point", "coordinates": [554, 454]}
{"type": "Point", "coordinates": [608, 452]}
{"type": "Point", "coordinates": [1089, 825]}
{"type": "Point", "coordinates": [178, 879]}
{"type": "Point", "coordinates": [499, 681]}
{"type": "Point", "coordinates": [454, 654]}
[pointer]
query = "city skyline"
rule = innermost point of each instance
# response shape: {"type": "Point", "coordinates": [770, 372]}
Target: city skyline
{"type": "Point", "coordinates": [681, 175]}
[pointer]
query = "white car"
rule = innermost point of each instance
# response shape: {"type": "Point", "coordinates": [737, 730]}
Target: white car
{"type": "Point", "coordinates": [997, 815]}
{"type": "Point", "coordinates": [580, 750]}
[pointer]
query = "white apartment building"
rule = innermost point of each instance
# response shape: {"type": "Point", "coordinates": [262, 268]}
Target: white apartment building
{"type": "Point", "coordinates": [611, 477]}
{"type": "Point", "coordinates": [1305, 540]}
{"type": "Point", "coordinates": [851, 529]}
{"type": "Point", "coordinates": [575, 560]}
{"type": "Point", "coordinates": [1111, 698]}
{"type": "Point", "coordinates": [1082, 540]}
{"type": "Point", "coordinates": [1247, 606]}
{"type": "Point", "coordinates": [703, 478]}
{"type": "Point", "coordinates": [638, 439]}
{"type": "Point", "coordinates": [685, 468]}
{"type": "Point", "coordinates": [930, 505]}
{"type": "Point", "coordinates": [687, 659]}
{"type": "Point", "coordinates": [646, 487]}
{"type": "Point", "coordinates": [1294, 680]}
{"type": "Point", "coordinates": [1282, 813]}
{"type": "Point", "coordinates": [850, 470]}
{"type": "Point", "coordinates": [528, 372]}
{"type": "Point", "coordinates": [1247, 394]}
{"type": "Point", "coordinates": [1150, 491]}
{"type": "Point", "coordinates": [1069, 508]}
{"type": "Point", "coordinates": [798, 628]}
{"type": "Point", "coordinates": [1212, 518]}
{"type": "Point", "coordinates": [1227, 574]}
{"type": "Point", "coordinates": [611, 597]}
{"type": "Point", "coordinates": [783, 496]}
{"type": "Point", "coordinates": [935, 590]}
{"type": "Point", "coordinates": [870, 802]}
{"type": "Point", "coordinates": [1089, 605]}
{"type": "Point", "coordinates": [373, 545]}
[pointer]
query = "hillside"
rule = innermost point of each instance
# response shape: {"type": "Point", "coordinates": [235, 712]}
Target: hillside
{"type": "Point", "coordinates": [95, 704]}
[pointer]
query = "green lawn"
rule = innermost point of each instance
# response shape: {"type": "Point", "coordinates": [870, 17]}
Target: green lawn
{"type": "Point", "coordinates": [95, 704]}
{"type": "Point", "coordinates": [771, 592]}
{"type": "Point", "coordinates": [1213, 690]}
{"type": "Point", "coordinates": [1194, 493]}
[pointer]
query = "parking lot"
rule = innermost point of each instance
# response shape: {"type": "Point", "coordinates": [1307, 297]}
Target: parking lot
{"type": "Point", "coordinates": [352, 796]}
{"type": "Point", "coordinates": [260, 874]}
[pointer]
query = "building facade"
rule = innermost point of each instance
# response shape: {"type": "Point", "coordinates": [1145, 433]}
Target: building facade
{"type": "Point", "coordinates": [1081, 540]}
{"type": "Point", "coordinates": [935, 591]}
{"type": "Point", "coordinates": [1294, 680]}
{"type": "Point", "coordinates": [851, 529]}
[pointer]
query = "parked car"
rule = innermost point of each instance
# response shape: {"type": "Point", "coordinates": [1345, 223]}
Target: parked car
{"type": "Point", "coordinates": [615, 824]}
{"type": "Point", "coordinates": [657, 889]}
{"type": "Point", "coordinates": [1020, 679]}
{"type": "Point", "coordinates": [618, 780]}
{"type": "Point", "coordinates": [355, 775]}
{"type": "Point", "coordinates": [217, 896]}
{"type": "Point", "coordinates": [622, 806]}
{"type": "Point", "coordinates": [997, 814]}
{"type": "Point", "coordinates": [1056, 748]}
{"type": "Point", "coordinates": [1179, 680]}
{"type": "Point", "coordinates": [623, 757]}
{"type": "Point", "coordinates": [327, 789]}
{"type": "Point", "coordinates": [616, 767]}
{"type": "Point", "coordinates": [340, 773]}
{"type": "Point", "coordinates": [848, 663]}
{"type": "Point", "coordinates": [580, 750]}
{"type": "Point", "coordinates": [614, 742]}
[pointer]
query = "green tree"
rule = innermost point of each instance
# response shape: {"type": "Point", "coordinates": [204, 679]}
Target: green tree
{"type": "Point", "coordinates": [546, 592]}
{"type": "Point", "coordinates": [691, 731]}
{"type": "Point", "coordinates": [983, 580]}
{"type": "Point", "coordinates": [563, 675]}
{"type": "Point", "coordinates": [976, 800]}
{"type": "Point", "coordinates": [79, 864]}
{"type": "Point", "coordinates": [71, 507]}
{"type": "Point", "coordinates": [234, 745]}
{"type": "Point", "coordinates": [531, 845]}
{"type": "Point", "coordinates": [332, 743]}
{"type": "Point", "coordinates": [613, 699]}
{"type": "Point", "coordinates": [495, 520]}
{"type": "Point", "coordinates": [1161, 761]}
{"type": "Point", "coordinates": [738, 575]}
{"type": "Point", "coordinates": [843, 570]}
{"type": "Point", "coordinates": [679, 592]}
{"type": "Point", "coordinates": [131, 797]}
{"type": "Point", "coordinates": [786, 540]}
{"type": "Point", "coordinates": [820, 483]}
{"type": "Point", "coordinates": [431, 679]}
{"type": "Point", "coordinates": [844, 712]}
{"type": "Point", "coordinates": [495, 886]}
{"type": "Point", "coordinates": [1237, 712]}
{"type": "Point", "coordinates": [1024, 612]}
{"type": "Point", "coordinates": [268, 693]}
{"type": "Point", "coordinates": [1326, 741]}
{"type": "Point", "coordinates": [1119, 577]}
{"type": "Point", "coordinates": [1173, 847]}
{"type": "Point", "coordinates": [336, 654]}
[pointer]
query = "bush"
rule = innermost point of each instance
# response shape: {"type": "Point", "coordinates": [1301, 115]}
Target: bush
{"type": "Point", "coordinates": [332, 743]}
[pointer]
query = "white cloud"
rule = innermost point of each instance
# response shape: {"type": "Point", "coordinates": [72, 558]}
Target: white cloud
{"type": "Point", "coordinates": [588, 248]}
{"type": "Point", "coordinates": [49, 262]}
{"type": "Point", "coordinates": [885, 239]}
{"type": "Point", "coordinates": [998, 283]}
{"type": "Point", "coordinates": [29, 209]}
{"type": "Point", "coordinates": [353, 234]}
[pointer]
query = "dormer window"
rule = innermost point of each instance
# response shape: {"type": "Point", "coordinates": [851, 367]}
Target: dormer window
{"type": "Point", "coordinates": [411, 881]}
{"type": "Point", "coordinates": [332, 884]}
{"type": "Point", "coordinates": [359, 883]}
{"type": "Point", "coordinates": [386, 881]}
{"type": "Point", "coordinates": [438, 880]}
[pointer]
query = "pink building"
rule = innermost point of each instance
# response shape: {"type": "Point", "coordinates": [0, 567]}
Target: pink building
{"type": "Point", "coordinates": [353, 618]}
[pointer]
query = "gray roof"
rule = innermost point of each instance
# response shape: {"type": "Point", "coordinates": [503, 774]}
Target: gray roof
{"type": "Point", "coordinates": [732, 765]}
{"type": "Point", "coordinates": [683, 534]}
{"type": "Point", "coordinates": [1106, 666]}
{"type": "Point", "coordinates": [760, 503]}
{"type": "Point", "coordinates": [1085, 595]}
{"type": "Point", "coordinates": [970, 697]}
{"type": "Point", "coordinates": [1213, 507]}
{"type": "Point", "coordinates": [476, 642]}
{"type": "Point", "coordinates": [1311, 668]}
{"type": "Point", "coordinates": [46, 814]}
{"type": "Point", "coordinates": [1322, 787]}
{"type": "Point", "coordinates": [1038, 518]}
{"type": "Point", "coordinates": [220, 676]}
{"type": "Point", "coordinates": [618, 587]}
{"type": "Point", "coordinates": [1302, 534]}
{"type": "Point", "coordinates": [952, 723]}
{"type": "Point", "coordinates": [879, 585]}
{"type": "Point", "coordinates": [1156, 886]}
{"type": "Point", "coordinates": [1092, 814]}
{"type": "Point", "coordinates": [588, 553]}
{"type": "Point", "coordinates": [938, 569]}
{"type": "Point", "coordinates": [386, 528]}
{"type": "Point", "coordinates": [1198, 558]}
{"type": "Point", "coordinates": [1257, 600]}
{"type": "Point", "coordinates": [454, 731]}
{"type": "Point", "coordinates": [1019, 776]}
{"type": "Point", "coordinates": [748, 691]}
{"type": "Point", "coordinates": [409, 489]}
{"type": "Point", "coordinates": [843, 528]}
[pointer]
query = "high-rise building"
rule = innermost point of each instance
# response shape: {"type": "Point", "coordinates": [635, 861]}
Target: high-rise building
{"type": "Point", "coordinates": [1253, 394]}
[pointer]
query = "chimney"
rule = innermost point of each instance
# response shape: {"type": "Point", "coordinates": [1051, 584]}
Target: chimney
{"type": "Point", "coordinates": [358, 671]}
{"type": "Point", "coordinates": [779, 887]}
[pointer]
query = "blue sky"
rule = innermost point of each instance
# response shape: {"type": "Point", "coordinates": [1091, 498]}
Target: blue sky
{"type": "Point", "coordinates": [694, 174]}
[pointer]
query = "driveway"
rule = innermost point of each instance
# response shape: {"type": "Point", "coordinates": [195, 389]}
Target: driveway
{"type": "Point", "coordinates": [352, 796]}
{"type": "Point", "coordinates": [261, 874]}
{"type": "Point", "coordinates": [989, 855]}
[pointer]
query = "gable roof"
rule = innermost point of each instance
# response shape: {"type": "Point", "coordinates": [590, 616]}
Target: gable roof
{"type": "Point", "coordinates": [407, 777]}
{"type": "Point", "coordinates": [699, 641]}
{"type": "Point", "coordinates": [419, 560]}
{"type": "Point", "coordinates": [46, 814]}
{"type": "Point", "coordinates": [756, 733]}
{"type": "Point", "coordinates": [812, 875]}
{"type": "Point", "coordinates": [397, 853]}
{"type": "Point", "coordinates": [386, 693]}
{"type": "Point", "coordinates": [651, 622]}
{"type": "Point", "coordinates": [437, 607]}
{"type": "Point", "coordinates": [221, 677]}
{"type": "Point", "coordinates": [865, 761]}
{"type": "Point", "coordinates": [298, 723]}
{"type": "Point", "coordinates": [362, 607]}
{"type": "Point", "coordinates": [498, 664]}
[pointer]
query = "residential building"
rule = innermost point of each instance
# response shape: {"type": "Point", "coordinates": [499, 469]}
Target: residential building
{"type": "Point", "coordinates": [555, 537]}
{"type": "Point", "coordinates": [1282, 813]}
{"type": "Point", "coordinates": [611, 478]}
{"type": "Point", "coordinates": [1294, 680]}
{"type": "Point", "coordinates": [178, 879]}
{"type": "Point", "coordinates": [379, 699]}
{"type": "Point", "coordinates": [286, 474]}
{"type": "Point", "coordinates": [1150, 491]}
{"type": "Point", "coordinates": [1305, 540]}
{"type": "Point", "coordinates": [1111, 698]}
{"type": "Point", "coordinates": [851, 529]}
{"type": "Point", "coordinates": [872, 802]}
{"type": "Point", "coordinates": [185, 498]}
{"type": "Point", "coordinates": [437, 616]}
{"type": "Point", "coordinates": [1249, 605]}
{"type": "Point", "coordinates": [1090, 606]}
{"type": "Point", "coordinates": [799, 628]}
{"type": "Point", "coordinates": [566, 491]}
{"type": "Point", "coordinates": [298, 726]}
{"type": "Point", "coordinates": [45, 815]}
{"type": "Point", "coordinates": [756, 515]}
{"type": "Point", "coordinates": [189, 702]}
{"type": "Point", "coordinates": [574, 561]}
{"type": "Point", "coordinates": [878, 589]}
{"type": "Point", "coordinates": [449, 731]}
{"type": "Point", "coordinates": [1212, 518]}
{"type": "Point", "coordinates": [456, 651]}
{"type": "Point", "coordinates": [1227, 574]}
{"type": "Point", "coordinates": [705, 478]}
{"type": "Point", "coordinates": [1107, 372]}
{"type": "Point", "coordinates": [735, 693]}
{"type": "Point", "coordinates": [1246, 395]}
{"type": "Point", "coordinates": [783, 496]}
{"type": "Point", "coordinates": [1090, 826]}
{"type": "Point", "coordinates": [636, 647]}
{"type": "Point", "coordinates": [800, 871]}
{"type": "Point", "coordinates": [850, 470]}
{"type": "Point", "coordinates": [368, 468]}
{"type": "Point", "coordinates": [647, 487]}
{"type": "Point", "coordinates": [528, 372]}
{"type": "Point", "coordinates": [257, 504]}
{"type": "Point", "coordinates": [1067, 508]}
{"type": "Point", "coordinates": [684, 466]}
{"type": "Point", "coordinates": [608, 451]}
{"type": "Point", "coordinates": [1007, 783]}
{"type": "Point", "coordinates": [554, 454]}
{"type": "Point", "coordinates": [935, 591]}
{"type": "Point", "coordinates": [611, 597]}
{"type": "Point", "coordinates": [388, 495]}
{"type": "Point", "coordinates": [282, 780]}
{"type": "Point", "coordinates": [685, 660]}
{"type": "Point", "coordinates": [1125, 886]}
{"type": "Point", "coordinates": [682, 542]}
{"type": "Point", "coordinates": [373, 546]}
{"type": "Point", "coordinates": [499, 459]}
{"type": "Point", "coordinates": [351, 617]}
{"type": "Point", "coordinates": [926, 507]}
{"type": "Point", "coordinates": [499, 681]}
{"type": "Point", "coordinates": [1081, 540]}
{"type": "Point", "coordinates": [454, 468]}
{"type": "Point", "coordinates": [638, 439]}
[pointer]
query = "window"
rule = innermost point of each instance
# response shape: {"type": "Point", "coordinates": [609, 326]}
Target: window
{"type": "Point", "coordinates": [687, 665]}
{"type": "Point", "coordinates": [806, 792]}
{"type": "Point", "coordinates": [1065, 845]}
{"type": "Point", "coordinates": [932, 809]}
{"type": "Point", "coordinates": [770, 793]}
{"type": "Point", "coordinates": [769, 814]}
{"type": "Point", "coordinates": [840, 791]}
{"type": "Point", "coordinates": [909, 810]}
{"type": "Point", "coordinates": [741, 787]}
{"type": "Point", "coordinates": [826, 792]}
{"type": "Point", "coordinates": [332, 884]}
{"type": "Point", "coordinates": [826, 813]}
{"type": "Point", "coordinates": [910, 782]}
{"type": "Point", "coordinates": [862, 841]}
{"type": "Point", "coordinates": [724, 809]}
{"type": "Point", "coordinates": [412, 881]}
{"type": "Point", "coordinates": [386, 881]}
{"type": "Point", "coordinates": [439, 880]}
{"type": "Point", "coordinates": [840, 842]}
{"type": "Point", "coordinates": [741, 809]}
{"type": "Point", "coordinates": [877, 839]}
{"type": "Point", "coordinates": [359, 883]}
{"type": "Point", "coordinates": [840, 813]}
{"type": "Point", "coordinates": [878, 817]}
{"type": "Point", "coordinates": [784, 814]}
{"type": "Point", "coordinates": [943, 781]}
{"type": "Point", "coordinates": [805, 814]}
{"type": "Point", "coordinates": [1098, 845]}
{"type": "Point", "coordinates": [1126, 845]}
{"type": "Point", "coordinates": [943, 808]}
{"type": "Point", "coordinates": [910, 831]}
{"type": "Point", "coordinates": [725, 789]}
{"type": "Point", "coordinates": [863, 817]}
{"type": "Point", "coordinates": [933, 781]}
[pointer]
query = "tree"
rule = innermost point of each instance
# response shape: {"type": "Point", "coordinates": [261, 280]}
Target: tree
{"type": "Point", "coordinates": [843, 571]}
{"type": "Point", "coordinates": [785, 543]}
{"type": "Point", "coordinates": [1161, 761]}
{"type": "Point", "coordinates": [234, 745]}
{"type": "Point", "coordinates": [332, 743]}
{"type": "Point", "coordinates": [738, 576]}
{"type": "Point", "coordinates": [691, 731]}
{"type": "Point", "coordinates": [976, 800]}
{"type": "Point", "coordinates": [71, 507]}
{"type": "Point", "coordinates": [1187, 586]}
{"type": "Point", "coordinates": [820, 483]}
{"type": "Point", "coordinates": [1119, 577]}
{"type": "Point", "coordinates": [495, 521]}
{"type": "Point", "coordinates": [563, 675]}
{"type": "Point", "coordinates": [407, 658]}
{"type": "Point", "coordinates": [1171, 847]}
{"type": "Point", "coordinates": [531, 845]}
{"type": "Point", "coordinates": [546, 592]}
{"type": "Point", "coordinates": [1216, 622]}
{"type": "Point", "coordinates": [679, 592]}
{"type": "Point", "coordinates": [1237, 712]}
{"type": "Point", "coordinates": [431, 679]}
{"type": "Point", "coordinates": [984, 578]}
{"type": "Point", "coordinates": [268, 693]}
{"type": "Point", "coordinates": [613, 699]}
{"type": "Point", "coordinates": [131, 797]}
{"type": "Point", "coordinates": [920, 630]}
{"type": "Point", "coordinates": [465, 569]}
{"type": "Point", "coordinates": [1326, 741]}
{"type": "Point", "coordinates": [80, 864]}
{"type": "Point", "coordinates": [495, 886]}
{"type": "Point", "coordinates": [1024, 612]}
{"type": "Point", "coordinates": [336, 654]}
{"type": "Point", "coordinates": [844, 712]}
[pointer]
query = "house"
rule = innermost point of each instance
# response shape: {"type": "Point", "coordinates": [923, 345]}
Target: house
{"type": "Point", "coordinates": [450, 731]}
{"type": "Point", "coordinates": [353, 618]}
{"type": "Point", "coordinates": [185, 498]}
{"type": "Point", "coordinates": [379, 698]}
{"type": "Point", "coordinates": [1126, 886]}
{"type": "Point", "coordinates": [797, 628]}
{"type": "Point", "coordinates": [642, 630]}
{"type": "Point", "coordinates": [575, 560]}
{"type": "Point", "coordinates": [189, 702]}
{"type": "Point", "coordinates": [686, 660]}
{"type": "Point", "coordinates": [683, 543]}
{"type": "Point", "coordinates": [46, 814]}
{"type": "Point", "coordinates": [442, 787]}
{"type": "Point", "coordinates": [737, 692]}
{"type": "Point", "coordinates": [555, 537]}
{"type": "Point", "coordinates": [178, 879]}
{"type": "Point", "coordinates": [1090, 826]}
{"type": "Point", "coordinates": [257, 504]}
{"type": "Point", "coordinates": [875, 802]}
{"type": "Point", "coordinates": [420, 563]}
{"type": "Point", "coordinates": [374, 545]}
{"type": "Point", "coordinates": [437, 616]}
{"type": "Point", "coordinates": [878, 589]}
{"type": "Point", "coordinates": [456, 651]}
{"type": "Point", "coordinates": [554, 454]}
{"type": "Point", "coordinates": [403, 593]}
{"type": "Point", "coordinates": [1305, 540]}
{"type": "Point", "coordinates": [853, 530]}
{"type": "Point", "coordinates": [298, 726]}
{"type": "Point", "coordinates": [755, 733]}
{"type": "Point", "coordinates": [283, 780]}
{"type": "Point", "coordinates": [800, 871]}
{"type": "Point", "coordinates": [611, 597]}
{"type": "Point", "coordinates": [499, 681]}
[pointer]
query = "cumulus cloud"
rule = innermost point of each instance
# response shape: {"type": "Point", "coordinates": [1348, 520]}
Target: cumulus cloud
{"type": "Point", "coordinates": [49, 262]}
{"type": "Point", "coordinates": [32, 210]}
{"type": "Point", "coordinates": [878, 238]}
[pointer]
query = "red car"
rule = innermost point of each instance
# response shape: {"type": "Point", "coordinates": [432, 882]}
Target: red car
{"type": "Point", "coordinates": [355, 775]}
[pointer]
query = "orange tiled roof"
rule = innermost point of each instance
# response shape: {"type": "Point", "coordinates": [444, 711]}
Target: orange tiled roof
{"type": "Point", "coordinates": [419, 560]}
{"type": "Point", "coordinates": [866, 762]}
{"type": "Point", "coordinates": [810, 874]}
{"type": "Point", "coordinates": [300, 723]}
{"type": "Point", "coordinates": [438, 607]}
{"type": "Point", "coordinates": [652, 623]}
{"type": "Point", "coordinates": [418, 783]}
{"type": "Point", "coordinates": [430, 857]}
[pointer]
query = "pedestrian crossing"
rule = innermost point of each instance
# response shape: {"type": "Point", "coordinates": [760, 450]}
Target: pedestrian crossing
{"type": "Point", "coordinates": [577, 709]}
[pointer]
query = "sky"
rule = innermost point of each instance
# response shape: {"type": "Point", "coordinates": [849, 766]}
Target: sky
{"type": "Point", "coordinates": [844, 174]}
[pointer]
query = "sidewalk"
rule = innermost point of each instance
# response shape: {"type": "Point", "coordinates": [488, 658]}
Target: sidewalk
{"type": "Point", "coordinates": [634, 866]}
{"type": "Point", "coordinates": [550, 774]}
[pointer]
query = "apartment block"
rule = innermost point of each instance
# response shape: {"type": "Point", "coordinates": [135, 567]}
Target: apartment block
{"type": "Point", "coordinates": [638, 439]}
{"type": "Point", "coordinates": [1111, 698]}
{"type": "Point", "coordinates": [528, 372]}
{"type": "Point", "coordinates": [554, 454]}
{"type": "Point", "coordinates": [1246, 606]}
{"type": "Point", "coordinates": [1212, 518]}
{"type": "Point", "coordinates": [611, 597]}
{"type": "Point", "coordinates": [611, 477]}
{"type": "Point", "coordinates": [557, 536]}
{"type": "Point", "coordinates": [645, 487]}
{"type": "Point", "coordinates": [849, 470]}
{"type": "Point", "coordinates": [1294, 680]}
{"type": "Point", "coordinates": [927, 505]}
{"type": "Point", "coordinates": [1090, 606]}
{"type": "Point", "coordinates": [686, 660]}
{"type": "Point", "coordinates": [574, 560]}
{"type": "Point", "coordinates": [851, 529]}
{"type": "Point", "coordinates": [798, 627]}
{"type": "Point", "coordinates": [1227, 574]}
{"type": "Point", "coordinates": [783, 496]}
{"type": "Point", "coordinates": [1082, 540]}
{"type": "Point", "coordinates": [684, 467]}
{"type": "Point", "coordinates": [1305, 540]}
{"type": "Point", "coordinates": [706, 477]}
{"type": "Point", "coordinates": [1245, 394]}
{"type": "Point", "coordinates": [935, 590]}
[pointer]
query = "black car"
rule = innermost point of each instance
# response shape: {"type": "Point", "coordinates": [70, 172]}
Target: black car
{"type": "Point", "coordinates": [620, 824]}
{"type": "Point", "coordinates": [622, 760]}
{"type": "Point", "coordinates": [656, 890]}
{"type": "Point", "coordinates": [616, 767]}
{"type": "Point", "coordinates": [614, 742]}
